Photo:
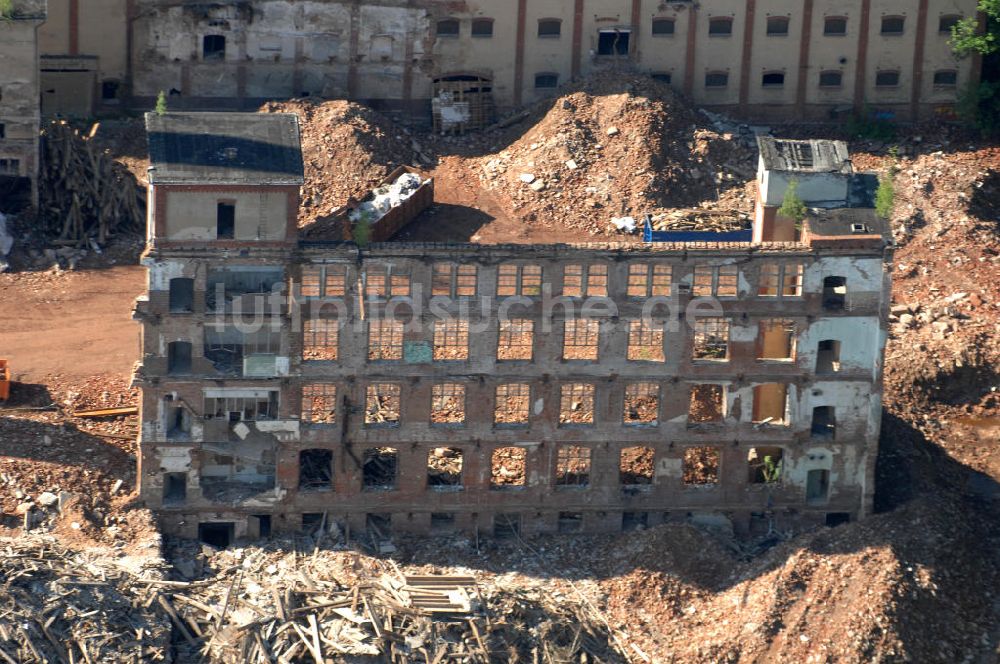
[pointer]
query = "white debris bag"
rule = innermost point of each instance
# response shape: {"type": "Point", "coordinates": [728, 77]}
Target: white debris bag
{"type": "Point", "coordinates": [624, 224]}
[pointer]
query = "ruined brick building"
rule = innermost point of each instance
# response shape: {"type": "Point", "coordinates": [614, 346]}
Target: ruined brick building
{"type": "Point", "coordinates": [19, 113]}
{"type": "Point", "coordinates": [432, 388]}
{"type": "Point", "coordinates": [767, 58]}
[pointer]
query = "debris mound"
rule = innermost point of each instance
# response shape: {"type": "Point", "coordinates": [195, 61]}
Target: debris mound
{"type": "Point", "coordinates": [617, 146]}
{"type": "Point", "coordinates": [84, 193]}
{"type": "Point", "coordinates": [63, 606]}
{"type": "Point", "coordinates": [347, 150]}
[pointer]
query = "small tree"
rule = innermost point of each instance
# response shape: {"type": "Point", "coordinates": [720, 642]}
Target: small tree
{"type": "Point", "coordinates": [161, 103]}
{"type": "Point", "coordinates": [885, 196]}
{"type": "Point", "coordinates": [362, 232]}
{"type": "Point", "coordinates": [6, 9]}
{"type": "Point", "coordinates": [792, 206]}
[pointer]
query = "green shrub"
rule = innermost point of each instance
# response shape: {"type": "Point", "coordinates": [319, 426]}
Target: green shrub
{"type": "Point", "coordinates": [866, 125]}
{"type": "Point", "coordinates": [161, 103]}
{"type": "Point", "coordinates": [792, 205]}
{"type": "Point", "coordinates": [361, 233]}
{"type": "Point", "coordinates": [885, 196]}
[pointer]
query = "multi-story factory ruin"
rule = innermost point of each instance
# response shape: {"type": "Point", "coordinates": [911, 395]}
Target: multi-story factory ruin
{"type": "Point", "coordinates": [768, 58]}
{"type": "Point", "coordinates": [434, 388]}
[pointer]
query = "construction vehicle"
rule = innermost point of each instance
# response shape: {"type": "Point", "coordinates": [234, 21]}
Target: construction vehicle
{"type": "Point", "coordinates": [4, 380]}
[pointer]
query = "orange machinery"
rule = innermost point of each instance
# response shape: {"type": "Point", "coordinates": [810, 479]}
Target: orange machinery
{"type": "Point", "coordinates": [4, 380]}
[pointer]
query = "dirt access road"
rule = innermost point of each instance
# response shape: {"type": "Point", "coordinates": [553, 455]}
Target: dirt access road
{"type": "Point", "coordinates": [73, 325]}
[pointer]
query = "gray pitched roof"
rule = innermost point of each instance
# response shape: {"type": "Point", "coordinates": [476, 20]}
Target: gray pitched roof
{"type": "Point", "coordinates": [224, 148]}
{"type": "Point", "coordinates": [812, 156]}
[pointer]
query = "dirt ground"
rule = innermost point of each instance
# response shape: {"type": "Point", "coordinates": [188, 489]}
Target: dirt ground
{"type": "Point", "coordinates": [916, 582]}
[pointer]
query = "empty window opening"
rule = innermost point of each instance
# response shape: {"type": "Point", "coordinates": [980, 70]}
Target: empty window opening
{"type": "Point", "coordinates": [516, 339]}
{"type": "Point", "coordinates": [312, 278]}
{"type": "Point", "coordinates": [549, 27]}
{"type": "Point", "coordinates": [174, 488]}
{"type": "Point", "coordinates": [311, 522]}
{"type": "Point", "coordinates": [10, 166]}
{"type": "Point", "coordinates": [645, 341]}
{"type": "Point", "coordinates": [886, 79]}
{"type": "Point", "coordinates": [573, 466]}
{"type": "Point", "coordinates": [780, 280]}
{"type": "Point", "coordinates": [179, 357]}
{"type": "Point", "coordinates": [442, 523]}
{"type": "Point", "coordinates": [632, 521]}
{"type": "Point", "coordinates": [777, 26]}
{"type": "Point", "coordinates": [824, 422]}
{"type": "Point", "coordinates": [315, 470]}
{"type": "Point", "coordinates": [482, 27]}
{"type": "Point", "coordinates": [834, 519]}
{"type": "Point", "coordinates": [773, 79]}
{"type": "Point", "coordinates": [178, 422]}
{"type": "Point", "coordinates": [576, 405]}
{"type": "Point", "coordinates": [320, 339]}
{"type": "Point", "coordinates": [648, 280]}
{"type": "Point", "coordinates": [109, 90]}
{"type": "Point", "coordinates": [711, 339]}
{"type": "Point", "coordinates": [613, 42]}
{"type": "Point", "coordinates": [946, 78]}
{"type": "Point", "coordinates": [238, 409]}
{"type": "Point", "coordinates": [661, 76]}
{"type": "Point", "coordinates": [580, 339]}
{"type": "Point", "coordinates": [506, 526]}
{"type": "Point", "coordinates": [385, 339]}
{"type": "Point", "coordinates": [893, 25]}
{"type": "Point", "coordinates": [319, 403]}
{"type": "Point", "coordinates": [381, 283]}
{"type": "Point", "coordinates": [334, 280]}
{"type": "Point", "coordinates": [720, 26]}
{"type": "Point", "coordinates": [181, 295]}
{"type": "Point", "coordinates": [3, 130]}
{"type": "Point", "coordinates": [831, 79]}
{"type": "Point", "coordinates": [776, 339]}
{"type": "Point", "coordinates": [232, 351]}
{"type": "Point", "coordinates": [378, 526]}
{"type": "Point", "coordinates": [239, 289]}
{"type": "Point", "coordinates": [835, 26]}
{"type": "Point", "coordinates": [512, 403]}
{"type": "Point", "coordinates": [635, 466]}
{"type": "Point", "coordinates": [817, 486]}
{"type": "Point", "coordinates": [260, 525]}
{"type": "Point", "coordinates": [378, 469]}
{"type": "Point", "coordinates": [717, 280]}
{"type": "Point", "coordinates": [225, 221]}
{"type": "Point", "coordinates": [716, 79]}
{"type": "Point", "coordinates": [448, 27]}
{"type": "Point", "coordinates": [569, 522]}
{"type": "Point", "coordinates": [701, 465]}
{"type": "Point", "coordinates": [448, 403]}
{"type": "Point", "coordinates": [828, 356]}
{"type": "Point", "coordinates": [585, 280]}
{"type": "Point", "coordinates": [663, 27]}
{"type": "Point", "coordinates": [508, 468]}
{"type": "Point", "coordinates": [947, 22]}
{"type": "Point", "coordinates": [213, 47]}
{"type": "Point", "coordinates": [642, 404]}
{"type": "Point", "coordinates": [382, 404]}
{"type": "Point", "coordinates": [451, 339]}
{"type": "Point", "coordinates": [770, 403]}
{"type": "Point", "coordinates": [764, 465]}
{"type": "Point", "coordinates": [707, 403]}
{"type": "Point", "coordinates": [834, 293]}
{"type": "Point", "coordinates": [453, 280]}
{"type": "Point", "coordinates": [220, 535]}
{"type": "Point", "coordinates": [444, 468]}
{"type": "Point", "coordinates": [517, 279]}
{"type": "Point", "coordinates": [546, 80]}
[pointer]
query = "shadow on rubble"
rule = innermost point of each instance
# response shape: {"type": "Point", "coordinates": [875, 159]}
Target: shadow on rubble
{"type": "Point", "coordinates": [32, 430]}
{"type": "Point", "coordinates": [445, 222]}
{"type": "Point", "coordinates": [985, 202]}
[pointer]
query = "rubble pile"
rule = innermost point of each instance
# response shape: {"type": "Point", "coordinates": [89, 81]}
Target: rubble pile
{"type": "Point", "coordinates": [616, 146]}
{"type": "Point", "coordinates": [58, 605]}
{"type": "Point", "coordinates": [347, 150]}
{"type": "Point", "coordinates": [287, 603]}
